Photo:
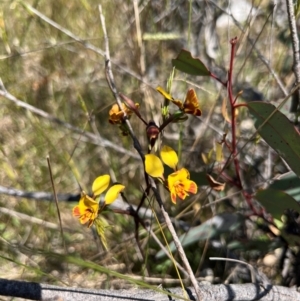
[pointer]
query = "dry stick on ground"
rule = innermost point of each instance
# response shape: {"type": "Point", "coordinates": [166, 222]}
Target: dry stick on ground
{"type": "Point", "coordinates": [295, 105]}
{"type": "Point", "coordinates": [34, 220]}
{"type": "Point", "coordinates": [137, 146]}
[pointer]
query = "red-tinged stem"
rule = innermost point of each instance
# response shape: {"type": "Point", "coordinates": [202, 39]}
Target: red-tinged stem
{"type": "Point", "coordinates": [218, 79]}
{"type": "Point", "coordinates": [232, 100]}
{"type": "Point", "coordinates": [229, 179]}
{"type": "Point", "coordinates": [233, 146]}
{"type": "Point", "coordinates": [227, 145]}
{"type": "Point", "coordinates": [233, 117]}
{"type": "Point", "coordinates": [240, 105]}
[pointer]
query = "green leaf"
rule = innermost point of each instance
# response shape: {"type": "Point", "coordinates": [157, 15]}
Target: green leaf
{"type": "Point", "coordinates": [255, 244]}
{"type": "Point", "coordinates": [278, 132]}
{"type": "Point", "coordinates": [276, 202]}
{"type": "Point", "coordinates": [190, 65]}
{"type": "Point", "coordinates": [289, 183]}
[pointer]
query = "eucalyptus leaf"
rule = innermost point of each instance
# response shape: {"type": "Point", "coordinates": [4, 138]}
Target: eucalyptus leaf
{"type": "Point", "coordinates": [190, 65]}
{"type": "Point", "coordinates": [276, 202]}
{"type": "Point", "coordinates": [289, 183]}
{"type": "Point", "coordinates": [278, 132]}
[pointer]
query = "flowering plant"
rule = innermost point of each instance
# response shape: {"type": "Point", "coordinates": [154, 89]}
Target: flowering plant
{"type": "Point", "coordinates": [89, 208]}
{"type": "Point", "coordinates": [178, 182]}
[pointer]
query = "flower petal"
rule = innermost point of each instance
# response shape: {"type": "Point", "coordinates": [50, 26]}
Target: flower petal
{"type": "Point", "coordinates": [87, 202]}
{"type": "Point", "coordinates": [113, 193]}
{"type": "Point", "coordinates": [178, 103]}
{"type": "Point", "coordinates": [181, 193]}
{"type": "Point", "coordinates": [173, 195]}
{"type": "Point", "coordinates": [86, 217]}
{"type": "Point", "coordinates": [116, 115]}
{"type": "Point", "coordinates": [86, 210]}
{"type": "Point", "coordinates": [154, 166]}
{"type": "Point", "coordinates": [190, 186]}
{"type": "Point", "coordinates": [178, 176]}
{"type": "Point", "coordinates": [191, 103]}
{"type": "Point", "coordinates": [169, 157]}
{"type": "Point", "coordinates": [164, 93]}
{"type": "Point", "coordinates": [76, 211]}
{"type": "Point", "coordinates": [179, 184]}
{"type": "Point", "coordinates": [100, 184]}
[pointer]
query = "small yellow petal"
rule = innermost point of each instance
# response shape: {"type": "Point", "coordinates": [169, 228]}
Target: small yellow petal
{"type": "Point", "coordinates": [164, 93]}
{"type": "Point", "coordinates": [91, 204]}
{"type": "Point", "coordinates": [154, 166]}
{"type": "Point", "coordinates": [113, 193]}
{"type": "Point", "coordinates": [100, 184]}
{"type": "Point", "coordinates": [169, 157]}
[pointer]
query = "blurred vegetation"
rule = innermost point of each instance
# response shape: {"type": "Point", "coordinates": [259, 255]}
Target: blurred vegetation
{"type": "Point", "coordinates": [42, 66]}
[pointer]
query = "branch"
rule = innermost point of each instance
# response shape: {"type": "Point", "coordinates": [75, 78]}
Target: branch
{"type": "Point", "coordinates": [118, 205]}
{"type": "Point", "coordinates": [39, 195]}
{"type": "Point", "coordinates": [177, 242]}
{"type": "Point", "coordinates": [112, 85]}
{"type": "Point", "coordinates": [96, 139]}
{"type": "Point", "coordinates": [295, 42]}
{"type": "Point", "coordinates": [221, 292]}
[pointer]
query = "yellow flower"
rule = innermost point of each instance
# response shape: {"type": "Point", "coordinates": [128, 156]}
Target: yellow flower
{"type": "Point", "coordinates": [190, 104]}
{"type": "Point", "coordinates": [178, 183]}
{"type": "Point", "coordinates": [88, 209]}
{"type": "Point", "coordinates": [116, 116]}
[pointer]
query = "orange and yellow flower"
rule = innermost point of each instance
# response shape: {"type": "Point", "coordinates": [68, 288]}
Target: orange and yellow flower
{"type": "Point", "coordinates": [88, 208]}
{"type": "Point", "coordinates": [190, 104]}
{"type": "Point", "coordinates": [116, 116]}
{"type": "Point", "coordinates": [178, 182]}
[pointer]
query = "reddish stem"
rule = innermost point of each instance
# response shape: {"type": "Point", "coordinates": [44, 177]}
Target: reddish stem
{"type": "Point", "coordinates": [234, 151]}
{"type": "Point", "coordinates": [218, 79]}
{"type": "Point", "coordinates": [233, 108]}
